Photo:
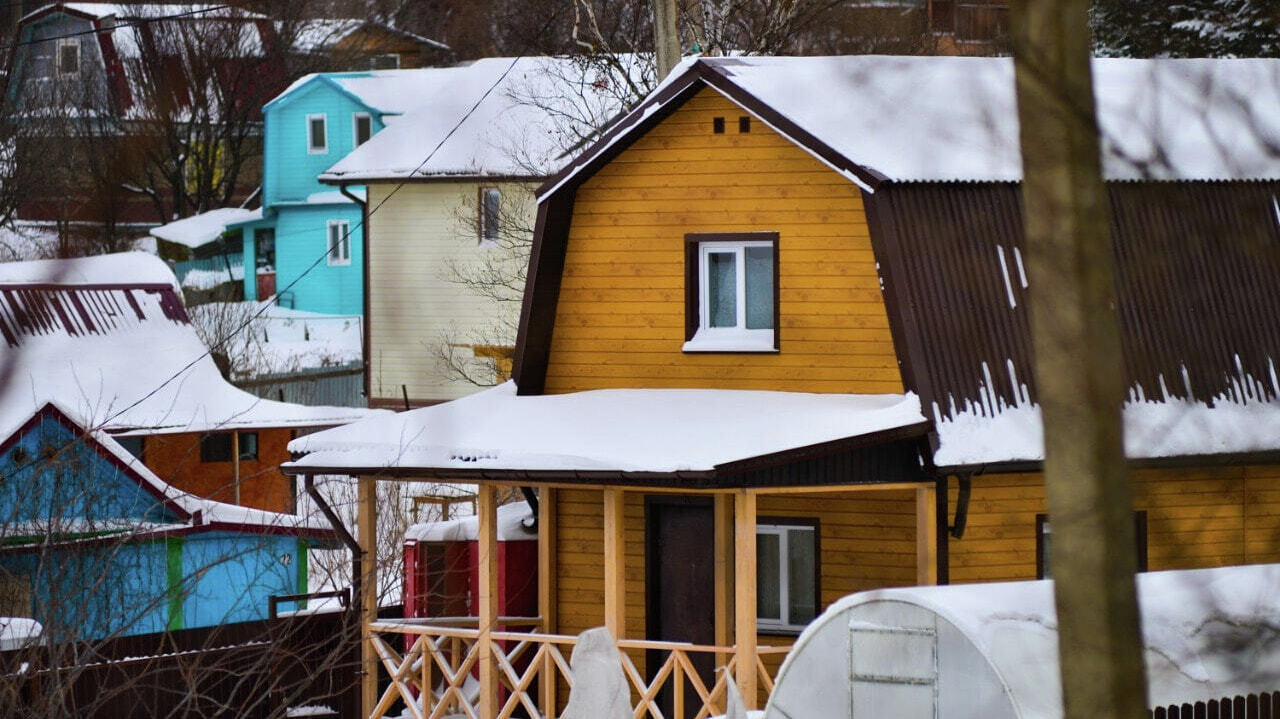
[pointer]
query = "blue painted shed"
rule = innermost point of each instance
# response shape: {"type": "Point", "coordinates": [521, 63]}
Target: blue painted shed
{"type": "Point", "coordinates": [93, 544]}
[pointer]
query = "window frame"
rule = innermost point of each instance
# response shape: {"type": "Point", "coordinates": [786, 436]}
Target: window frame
{"type": "Point", "coordinates": [356, 117]}
{"type": "Point", "coordinates": [697, 337]}
{"type": "Point", "coordinates": [64, 43]}
{"type": "Point", "coordinates": [489, 233]}
{"type": "Point", "coordinates": [786, 525]}
{"type": "Point", "coordinates": [1043, 529]}
{"type": "Point", "coordinates": [313, 149]}
{"type": "Point", "coordinates": [207, 447]}
{"type": "Point", "coordinates": [343, 258]}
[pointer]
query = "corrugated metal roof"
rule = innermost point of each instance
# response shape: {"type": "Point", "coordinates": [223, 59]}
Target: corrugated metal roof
{"type": "Point", "coordinates": [1198, 272]}
{"type": "Point", "coordinates": [30, 310]}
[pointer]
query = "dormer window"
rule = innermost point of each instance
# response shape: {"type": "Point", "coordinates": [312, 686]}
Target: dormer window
{"type": "Point", "coordinates": [731, 293]}
{"type": "Point", "coordinates": [68, 57]}
{"type": "Point", "coordinates": [362, 126]}
{"type": "Point", "coordinates": [317, 135]}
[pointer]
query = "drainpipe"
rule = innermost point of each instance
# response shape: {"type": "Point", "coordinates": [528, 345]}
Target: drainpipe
{"type": "Point", "coordinates": [235, 462]}
{"type": "Point", "coordinates": [343, 534]}
{"type": "Point", "coordinates": [364, 288]}
{"type": "Point", "coordinates": [530, 498]}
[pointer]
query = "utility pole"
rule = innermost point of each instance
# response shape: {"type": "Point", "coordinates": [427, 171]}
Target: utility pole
{"type": "Point", "coordinates": [1078, 367]}
{"type": "Point", "coordinates": [666, 36]}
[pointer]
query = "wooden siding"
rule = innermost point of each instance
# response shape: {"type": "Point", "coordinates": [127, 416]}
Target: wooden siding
{"type": "Point", "coordinates": [620, 319]}
{"type": "Point", "coordinates": [1196, 517]}
{"type": "Point", "coordinates": [175, 458]}
{"type": "Point", "coordinates": [866, 538]}
{"type": "Point", "coordinates": [415, 237]}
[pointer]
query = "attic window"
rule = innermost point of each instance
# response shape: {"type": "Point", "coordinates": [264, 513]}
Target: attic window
{"type": "Point", "coordinates": [717, 125]}
{"type": "Point", "coordinates": [490, 216]}
{"type": "Point", "coordinates": [317, 135]}
{"type": "Point", "coordinates": [68, 57]}
{"type": "Point", "coordinates": [362, 126]}
{"type": "Point", "coordinates": [731, 292]}
{"type": "Point", "coordinates": [744, 124]}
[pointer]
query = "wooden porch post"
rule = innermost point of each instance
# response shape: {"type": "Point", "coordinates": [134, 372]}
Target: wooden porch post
{"type": "Point", "coordinates": [927, 535]}
{"type": "Point", "coordinates": [722, 508]}
{"type": "Point", "coordinates": [615, 575]}
{"type": "Point", "coordinates": [487, 604]}
{"type": "Point", "coordinates": [744, 526]}
{"type": "Point", "coordinates": [367, 534]}
{"type": "Point", "coordinates": [547, 559]}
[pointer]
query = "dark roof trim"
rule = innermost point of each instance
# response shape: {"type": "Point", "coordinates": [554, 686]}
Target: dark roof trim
{"type": "Point", "coordinates": [731, 475]}
{"type": "Point", "coordinates": [541, 294]}
{"type": "Point", "coordinates": [328, 179]}
{"type": "Point", "coordinates": [1271, 457]}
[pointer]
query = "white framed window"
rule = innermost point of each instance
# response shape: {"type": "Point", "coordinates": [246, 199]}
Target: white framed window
{"type": "Point", "coordinates": [786, 576]}
{"type": "Point", "coordinates": [317, 134]}
{"type": "Point", "coordinates": [68, 57]}
{"type": "Point", "coordinates": [339, 242]}
{"type": "Point", "coordinates": [361, 128]}
{"type": "Point", "coordinates": [733, 297]}
{"type": "Point", "coordinates": [490, 216]}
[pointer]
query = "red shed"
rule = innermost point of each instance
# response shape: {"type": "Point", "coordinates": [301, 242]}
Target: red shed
{"type": "Point", "coordinates": [441, 565]}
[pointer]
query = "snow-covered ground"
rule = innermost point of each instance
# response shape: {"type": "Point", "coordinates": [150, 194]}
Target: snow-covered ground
{"type": "Point", "coordinates": [268, 339]}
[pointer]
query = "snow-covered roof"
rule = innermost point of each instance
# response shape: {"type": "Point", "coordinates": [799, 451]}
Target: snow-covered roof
{"type": "Point", "coordinates": [205, 227]}
{"type": "Point", "coordinates": [513, 117]}
{"type": "Point", "coordinates": [512, 526]}
{"type": "Point", "coordinates": [149, 10]}
{"type": "Point", "coordinates": [108, 338]}
{"type": "Point", "coordinates": [1208, 633]}
{"type": "Point", "coordinates": [617, 430]}
{"type": "Point", "coordinates": [955, 118]}
{"type": "Point", "coordinates": [317, 34]}
{"type": "Point", "coordinates": [18, 632]}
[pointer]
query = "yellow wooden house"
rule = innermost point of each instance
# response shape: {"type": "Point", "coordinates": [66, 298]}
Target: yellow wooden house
{"type": "Point", "coordinates": [774, 350]}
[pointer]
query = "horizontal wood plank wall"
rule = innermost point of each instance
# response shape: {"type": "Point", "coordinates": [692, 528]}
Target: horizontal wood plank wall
{"type": "Point", "coordinates": [620, 320]}
{"type": "Point", "coordinates": [1196, 517]}
{"type": "Point", "coordinates": [580, 561]}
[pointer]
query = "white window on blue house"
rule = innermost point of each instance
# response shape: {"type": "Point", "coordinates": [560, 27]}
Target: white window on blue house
{"type": "Point", "coordinates": [68, 57]}
{"type": "Point", "coordinates": [317, 135]}
{"type": "Point", "coordinates": [339, 242]}
{"type": "Point", "coordinates": [361, 127]}
{"type": "Point", "coordinates": [490, 216]}
{"type": "Point", "coordinates": [786, 576]}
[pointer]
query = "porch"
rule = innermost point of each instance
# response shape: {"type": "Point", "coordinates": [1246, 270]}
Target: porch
{"type": "Point", "coordinates": [491, 666]}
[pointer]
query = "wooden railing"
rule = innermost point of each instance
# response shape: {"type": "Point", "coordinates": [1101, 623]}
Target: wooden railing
{"type": "Point", "coordinates": [434, 678]}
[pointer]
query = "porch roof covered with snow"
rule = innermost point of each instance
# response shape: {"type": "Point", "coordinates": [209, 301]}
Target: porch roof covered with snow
{"type": "Point", "coordinates": [109, 339]}
{"type": "Point", "coordinates": [199, 230]}
{"type": "Point", "coordinates": [686, 438]}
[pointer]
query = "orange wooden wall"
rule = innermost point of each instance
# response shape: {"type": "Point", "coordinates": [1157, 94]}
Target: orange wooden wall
{"type": "Point", "coordinates": [175, 458]}
{"type": "Point", "coordinates": [1196, 517]}
{"type": "Point", "coordinates": [621, 314]}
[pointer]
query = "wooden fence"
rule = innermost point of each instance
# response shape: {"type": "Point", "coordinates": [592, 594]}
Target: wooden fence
{"type": "Point", "coordinates": [1254, 706]}
{"type": "Point", "coordinates": [250, 670]}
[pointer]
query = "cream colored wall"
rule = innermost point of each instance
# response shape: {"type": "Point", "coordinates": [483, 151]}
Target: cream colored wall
{"type": "Point", "coordinates": [414, 309]}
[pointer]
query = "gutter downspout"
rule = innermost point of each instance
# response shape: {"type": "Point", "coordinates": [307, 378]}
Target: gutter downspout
{"type": "Point", "coordinates": [235, 461]}
{"type": "Point", "coordinates": [364, 288]}
{"type": "Point", "coordinates": [530, 498]}
{"type": "Point", "coordinates": [343, 534]}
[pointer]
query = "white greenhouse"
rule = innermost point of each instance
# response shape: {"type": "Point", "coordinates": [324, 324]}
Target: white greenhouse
{"type": "Point", "coordinates": [991, 650]}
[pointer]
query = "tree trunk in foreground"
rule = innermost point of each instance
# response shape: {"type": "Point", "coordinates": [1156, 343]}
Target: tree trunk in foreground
{"type": "Point", "coordinates": [1078, 366]}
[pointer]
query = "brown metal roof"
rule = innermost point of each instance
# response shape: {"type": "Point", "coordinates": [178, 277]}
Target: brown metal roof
{"type": "Point", "coordinates": [43, 309]}
{"type": "Point", "coordinates": [1198, 272]}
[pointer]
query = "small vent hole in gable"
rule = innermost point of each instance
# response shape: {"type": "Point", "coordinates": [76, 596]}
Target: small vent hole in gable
{"type": "Point", "coordinates": [717, 125]}
{"type": "Point", "coordinates": [744, 124]}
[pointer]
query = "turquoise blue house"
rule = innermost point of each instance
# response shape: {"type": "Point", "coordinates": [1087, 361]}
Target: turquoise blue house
{"type": "Point", "coordinates": [307, 244]}
{"type": "Point", "coordinates": [93, 545]}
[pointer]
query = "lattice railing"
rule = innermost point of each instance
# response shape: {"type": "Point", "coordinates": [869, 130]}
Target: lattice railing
{"type": "Point", "coordinates": [436, 677]}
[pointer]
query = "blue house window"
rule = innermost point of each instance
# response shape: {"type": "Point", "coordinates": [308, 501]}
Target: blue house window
{"type": "Point", "coordinates": [317, 135]}
{"type": "Point", "coordinates": [361, 127]}
{"type": "Point", "coordinates": [339, 242]}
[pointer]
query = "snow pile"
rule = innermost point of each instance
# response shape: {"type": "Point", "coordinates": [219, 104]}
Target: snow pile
{"type": "Point", "coordinates": [205, 227]}
{"type": "Point", "coordinates": [280, 340]}
{"type": "Point", "coordinates": [148, 372]}
{"type": "Point", "coordinates": [629, 430]}
{"type": "Point", "coordinates": [599, 689]}
{"type": "Point", "coordinates": [514, 522]}
{"type": "Point", "coordinates": [27, 240]}
{"type": "Point", "coordinates": [538, 109]}
{"type": "Point", "coordinates": [208, 279]}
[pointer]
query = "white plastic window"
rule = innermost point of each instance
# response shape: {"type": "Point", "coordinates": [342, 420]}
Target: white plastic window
{"type": "Point", "coordinates": [339, 242]}
{"type": "Point", "coordinates": [735, 298]}
{"type": "Point", "coordinates": [317, 134]}
{"type": "Point", "coordinates": [786, 576]}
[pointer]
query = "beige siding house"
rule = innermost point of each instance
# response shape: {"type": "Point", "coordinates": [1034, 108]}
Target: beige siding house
{"type": "Point", "coordinates": [449, 219]}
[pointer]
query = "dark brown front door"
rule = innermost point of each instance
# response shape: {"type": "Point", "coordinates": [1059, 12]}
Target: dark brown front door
{"type": "Point", "coordinates": [680, 558]}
